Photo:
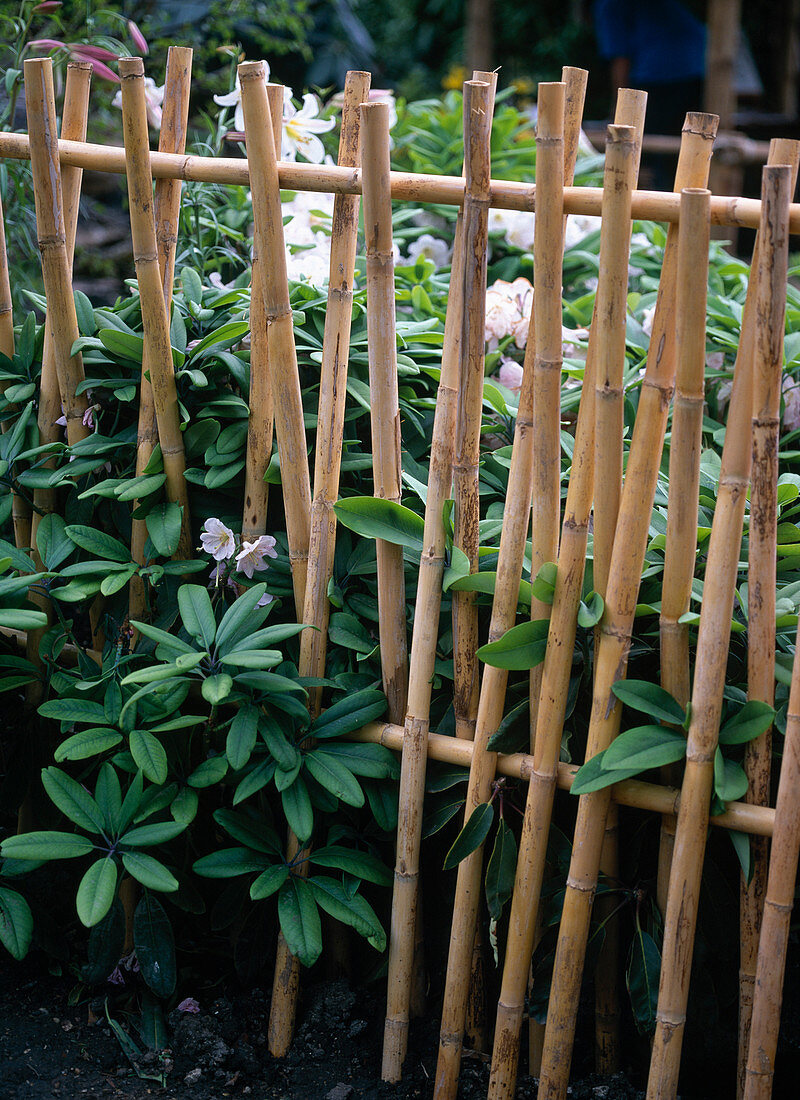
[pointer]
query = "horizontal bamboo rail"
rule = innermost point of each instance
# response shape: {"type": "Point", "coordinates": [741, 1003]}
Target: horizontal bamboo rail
{"type": "Point", "coordinates": [406, 186]}
{"type": "Point", "coordinates": [741, 816]}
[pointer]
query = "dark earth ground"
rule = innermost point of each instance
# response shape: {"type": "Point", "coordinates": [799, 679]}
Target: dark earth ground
{"type": "Point", "coordinates": [50, 1048]}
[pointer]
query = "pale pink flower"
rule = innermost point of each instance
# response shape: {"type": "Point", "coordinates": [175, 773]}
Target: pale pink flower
{"type": "Point", "coordinates": [508, 311]}
{"type": "Point", "coordinates": [250, 558]}
{"type": "Point", "coordinates": [217, 539]}
{"type": "Point", "coordinates": [189, 1004]}
{"type": "Point", "coordinates": [138, 39]}
{"type": "Point", "coordinates": [791, 403]}
{"type": "Point", "coordinates": [510, 375]}
{"type": "Point", "coordinates": [265, 599]}
{"type": "Point", "coordinates": [48, 5]}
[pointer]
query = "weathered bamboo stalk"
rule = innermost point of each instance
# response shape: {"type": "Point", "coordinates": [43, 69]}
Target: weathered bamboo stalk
{"type": "Point", "coordinates": [51, 232]}
{"type": "Point", "coordinates": [575, 81]}
{"type": "Point", "coordinates": [492, 695]}
{"type": "Point", "coordinates": [470, 404]}
{"type": "Point", "coordinates": [262, 411]}
{"type": "Point", "coordinates": [631, 109]}
{"type": "Point", "coordinates": [714, 635]}
{"type": "Point", "coordinates": [778, 904]}
{"type": "Point", "coordinates": [411, 187]}
{"type": "Point", "coordinates": [550, 706]}
{"type": "Point", "coordinates": [684, 482]}
{"type": "Point", "coordinates": [761, 579]}
{"type": "Point", "coordinates": [425, 634]}
{"type": "Point", "coordinates": [333, 384]}
{"type": "Point", "coordinates": [384, 401]}
{"type": "Point", "coordinates": [627, 557]}
{"type": "Point", "coordinates": [155, 321]}
{"type": "Point", "coordinates": [285, 380]}
{"type": "Point", "coordinates": [172, 139]}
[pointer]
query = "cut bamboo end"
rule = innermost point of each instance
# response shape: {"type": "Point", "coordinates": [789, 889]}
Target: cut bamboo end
{"type": "Point", "coordinates": [155, 322]}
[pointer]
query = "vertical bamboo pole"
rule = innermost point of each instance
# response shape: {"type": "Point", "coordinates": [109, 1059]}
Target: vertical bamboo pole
{"type": "Point", "coordinates": [384, 401]}
{"type": "Point", "coordinates": [714, 635]}
{"type": "Point", "coordinates": [285, 381]}
{"type": "Point", "coordinates": [512, 547]}
{"type": "Point", "coordinates": [468, 430]}
{"type": "Point", "coordinates": [630, 112]}
{"type": "Point", "coordinates": [335, 351]}
{"type": "Point", "coordinates": [262, 412]}
{"type": "Point", "coordinates": [155, 321]}
{"type": "Point", "coordinates": [575, 81]}
{"type": "Point", "coordinates": [623, 584]}
{"type": "Point", "coordinates": [172, 139]}
{"type": "Point", "coordinates": [684, 482]}
{"type": "Point", "coordinates": [778, 904]}
{"type": "Point", "coordinates": [333, 382]}
{"type": "Point", "coordinates": [405, 900]}
{"type": "Point", "coordinates": [761, 581]}
{"type": "Point", "coordinates": [51, 231]}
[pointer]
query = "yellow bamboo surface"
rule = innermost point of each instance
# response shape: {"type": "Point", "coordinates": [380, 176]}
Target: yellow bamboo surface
{"type": "Point", "coordinates": [52, 236]}
{"type": "Point", "coordinates": [761, 582]}
{"type": "Point", "coordinates": [623, 584]}
{"type": "Point", "coordinates": [713, 639]}
{"type": "Point", "coordinates": [155, 321]}
{"type": "Point", "coordinates": [172, 139]}
{"type": "Point", "coordinates": [492, 694]}
{"type": "Point", "coordinates": [384, 401]}
{"type": "Point", "coordinates": [333, 383]}
{"type": "Point", "coordinates": [684, 481]}
{"type": "Point", "coordinates": [406, 186]}
{"type": "Point", "coordinates": [284, 377]}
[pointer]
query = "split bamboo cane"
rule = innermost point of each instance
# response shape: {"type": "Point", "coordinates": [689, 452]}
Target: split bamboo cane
{"type": "Point", "coordinates": [172, 139]}
{"type": "Point", "coordinates": [714, 634]}
{"type": "Point", "coordinates": [509, 566]}
{"type": "Point", "coordinates": [51, 232]}
{"type": "Point", "coordinates": [778, 904]}
{"type": "Point", "coordinates": [285, 380]}
{"type": "Point", "coordinates": [684, 483]}
{"type": "Point", "coordinates": [659, 206]}
{"type": "Point", "coordinates": [425, 634]}
{"type": "Point", "coordinates": [477, 131]}
{"type": "Point", "coordinates": [630, 112]}
{"type": "Point", "coordinates": [626, 561]}
{"type": "Point", "coordinates": [332, 392]}
{"type": "Point", "coordinates": [155, 321]}
{"type": "Point", "coordinates": [384, 401]}
{"type": "Point", "coordinates": [260, 423]}
{"type": "Point", "coordinates": [761, 579]}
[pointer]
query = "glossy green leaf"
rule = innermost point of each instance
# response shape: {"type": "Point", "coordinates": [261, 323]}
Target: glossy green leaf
{"type": "Point", "coordinates": [645, 747]}
{"type": "Point", "coordinates": [96, 891]}
{"type": "Point", "coordinates": [376, 518]}
{"type": "Point", "coordinates": [651, 699]}
{"type": "Point", "coordinates": [521, 647]}
{"type": "Point", "coordinates": [501, 870]}
{"type": "Point", "coordinates": [298, 810]}
{"type": "Point", "coordinates": [269, 881]}
{"type": "Point", "coordinates": [72, 799]}
{"type": "Point", "coordinates": [750, 722]}
{"type": "Point", "coordinates": [149, 872]}
{"type": "Point", "coordinates": [641, 976]}
{"type": "Point", "coordinates": [155, 946]}
{"type": "Point", "coordinates": [471, 836]}
{"type": "Point", "coordinates": [242, 735]}
{"type": "Point", "coordinates": [299, 920]}
{"type": "Point", "coordinates": [332, 774]}
{"type": "Point", "coordinates": [16, 923]}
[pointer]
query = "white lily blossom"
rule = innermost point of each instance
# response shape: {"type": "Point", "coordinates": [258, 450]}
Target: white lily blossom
{"type": "Point", "coordinates": [510, 375]}
{"type": "Point", "coordinates": [300, 129]}
{"type": "Point", "coordinates": [432, 248]}
{"type": "Point", "coordinates": [217, 539]}
{"type": "Point", "coordinates": [234, 99]}
{"type": "Point", "coordinates": [154, 98]}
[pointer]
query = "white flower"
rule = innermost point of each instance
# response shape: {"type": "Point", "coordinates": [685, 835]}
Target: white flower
{"type": "Point", "coordinates": [508, 311]}
{"type": "Point", "coordinates": [791, 403]}
{"type": "Point", "coordinates": [510, 375]}
{"type": "Point", "coordinates": [217, 540]}
{"type": "Point", "coordinates": [234, 99]}
{"type": "Point", "coordinates": [647, 320]}
{"type": "Point", "coordinates": [250, 558]}
{"type": "Point", "coordinates": [154, 98]}
{"type": "Point", "coordinates": [300, 129]}
{"type": "Point", "coordinates": [432, 248]}
{"type": "Point", "coordinates": [515, 225]}
{"type": "Point", "coordinates": [580, 226]}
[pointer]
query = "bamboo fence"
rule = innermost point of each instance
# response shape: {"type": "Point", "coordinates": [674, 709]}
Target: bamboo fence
{"type": "Point", "coordinates": [621, 510]}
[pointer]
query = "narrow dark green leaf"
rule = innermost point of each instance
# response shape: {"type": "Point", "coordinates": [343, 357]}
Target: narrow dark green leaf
{"type": "Point", "coordinates": [651, 699]}
{"type": "Point", "coordinates": [155, 946]}
{"type": "Point", "coordinates": [501, 870]}
{"type": "Point", "coordinates": [641, 976]}
{"type": "Point", "coordinates": [471, 836]}
{"type": "Point", "coordinates": [299, 920]}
